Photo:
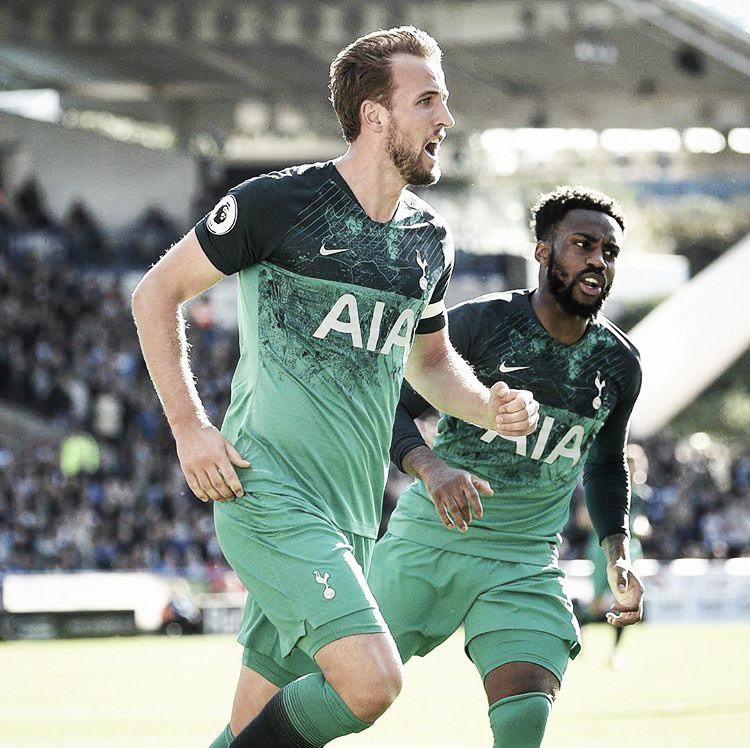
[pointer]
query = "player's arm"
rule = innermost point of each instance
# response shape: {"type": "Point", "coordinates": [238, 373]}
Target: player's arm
{"type": "Point", "coordinates": [206, 457]}
{"type": "Point", "coordinates": [443, 378]}
{"type": "Point", "coordinates": [607, 488]}
{"type": "Point", "coordinates": [626, 585]}
{"type": "Point", "coordinates": [455, 493]}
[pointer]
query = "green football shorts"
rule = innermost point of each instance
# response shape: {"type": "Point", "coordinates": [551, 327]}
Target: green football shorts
{"type": "Point", "coordinates": [305, 581]}
{"type": "Point", "coordinates": [510, 612]}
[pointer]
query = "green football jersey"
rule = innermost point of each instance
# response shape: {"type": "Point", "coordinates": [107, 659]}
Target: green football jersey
{"type": "Point", "coordinates": [329, 302]}
{"type": "Point", "coordinates": [586, 393]}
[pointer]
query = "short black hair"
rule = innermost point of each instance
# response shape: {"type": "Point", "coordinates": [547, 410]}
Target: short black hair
{"type": "Point", "coordinates": [552, 207]}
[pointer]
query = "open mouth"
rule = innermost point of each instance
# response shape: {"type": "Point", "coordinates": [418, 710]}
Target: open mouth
{"type": "Point", "coordinates": [591, 285]}
{"type": "Point", "coordinates": [432, 147]}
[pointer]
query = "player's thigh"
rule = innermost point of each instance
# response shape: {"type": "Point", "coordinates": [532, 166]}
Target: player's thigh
{"type": "Point", "coordinates": [423, 592]}
{"type": "Point", "coordinates": [300, 571]}
{"type": "Point", "coordinates": [262, 649]}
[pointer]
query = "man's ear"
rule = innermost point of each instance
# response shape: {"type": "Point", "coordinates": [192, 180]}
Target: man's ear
{"type": "Point", "coordinates": [372, 115]}
{"type": "Point", "coordinates": [541, 252]}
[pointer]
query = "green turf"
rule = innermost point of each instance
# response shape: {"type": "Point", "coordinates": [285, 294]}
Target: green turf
{"type": "Point", "coordinates": [684, 686]}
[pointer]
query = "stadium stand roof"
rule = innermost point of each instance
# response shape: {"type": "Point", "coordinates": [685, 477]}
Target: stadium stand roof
{"type": "Point", "coordinates": [224, 74]}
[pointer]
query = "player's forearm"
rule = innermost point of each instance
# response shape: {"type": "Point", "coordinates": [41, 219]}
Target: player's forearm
{"type": "Point", "coordinates": [625, 584]}
{"type": "Point", "coordinates": [616, 548]}
{"type": "Point", "coordinates": [420, 461]}
{"type": "Point", "coordinates": [406, 434]}
{"type": "Point", "coordinates": [607, 488]}
{"type": "Point", "coordinates": [449, 384]}
{"type": "Point", "coordinates": [161, 332]}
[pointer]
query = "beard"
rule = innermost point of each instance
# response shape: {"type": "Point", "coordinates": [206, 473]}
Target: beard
{"type": "Point", "coordinates": [409, 162]}
{"type": "Point", "coordinates": [562, 292]}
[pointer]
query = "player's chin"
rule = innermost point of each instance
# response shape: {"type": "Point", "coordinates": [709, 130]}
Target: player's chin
{"type": "Point", "coordinates": [426, 177]}
{"type": "Point", "coordinates": [589, 303]}
{"type": "Point", "coordinates": [430, 169]}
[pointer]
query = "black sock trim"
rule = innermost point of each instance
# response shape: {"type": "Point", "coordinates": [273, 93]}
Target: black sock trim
{"type": "Point", "coordinates": [283, 726]}
{"type": "Point", "coordinates": [271, 729]}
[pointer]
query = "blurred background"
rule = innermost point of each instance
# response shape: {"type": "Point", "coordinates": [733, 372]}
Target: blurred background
{"type": "Point", "coordinates": [121, 124]}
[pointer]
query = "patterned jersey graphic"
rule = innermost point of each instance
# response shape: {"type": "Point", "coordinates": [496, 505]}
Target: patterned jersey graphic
{"type": "Point", "coordinates": [329, 302]}
{"type": "Point", "coordinates": [336, 240]}
{"type": "Point", "coordinates": [586, 392]}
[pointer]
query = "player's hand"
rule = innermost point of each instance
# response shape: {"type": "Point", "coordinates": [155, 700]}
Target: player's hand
{"type": "Point", "coordinates": [207, 460]}
{"type": "Point", "coordinates": [516, 411]}
{"type": "Point", "coordinates": [627, 588]}
{"type": "Point", "coordinates": [455, 494]}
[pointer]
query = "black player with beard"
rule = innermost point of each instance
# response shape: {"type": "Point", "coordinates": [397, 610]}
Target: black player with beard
{"type": "Point", "coordinates": [563, 292]}
{"type": "Point", "coordinates": [489, 564]}
{"type": "Point", "coordinates": [578, 232]}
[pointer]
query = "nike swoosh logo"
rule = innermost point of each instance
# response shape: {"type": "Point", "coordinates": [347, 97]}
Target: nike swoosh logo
{"type": "Point", "coordinates": [415, 225]}
{"type": "Point", "coordinates": [325, 251]}
{"type": "Point", "coordinates": [505, 369]}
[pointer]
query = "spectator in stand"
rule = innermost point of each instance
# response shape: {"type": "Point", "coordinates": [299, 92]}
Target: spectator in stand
{"type": "Point", "coordinates": [150, 234]}
{"type": "Point", "coordinates": [79, 453]}
{"type": "Point", "coordinates": [51, 324]}
{"type": "Point", "coordinates": [86, 237]}
{"type": "Point", "coordinates": [7, 221]}
{"type": "Point", "coordinates": [31, 206]}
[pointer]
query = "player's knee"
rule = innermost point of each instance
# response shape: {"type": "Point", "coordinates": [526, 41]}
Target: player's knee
{"type": "Point", "coordinates": [366, 672]}
{"type": "Point", "coordinates": [520, 721]}
{"type": "Point", "coordinates": [372, 694]}
{"type": "Point", "coordinates": [379, 693]}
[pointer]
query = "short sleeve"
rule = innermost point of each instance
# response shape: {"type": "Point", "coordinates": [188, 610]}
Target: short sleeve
{"type": "Point", "coordinates": [434, 316]}
{"type": "Point", "coordinates": [240, 230]}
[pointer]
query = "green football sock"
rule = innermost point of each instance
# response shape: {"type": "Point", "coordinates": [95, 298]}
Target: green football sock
{"type": "Point", "coordinates": [317, 712]}
{"type": "Point", "coordinates": [519, 721]}
{"type": "Point", "coordinates": [223, 740]}
{"type": "Point", "coordinates": [307, 713]}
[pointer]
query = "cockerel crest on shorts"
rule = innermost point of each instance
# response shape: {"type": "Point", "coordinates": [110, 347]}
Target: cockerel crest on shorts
{"type": "Point", "coordinates": [328, 592]}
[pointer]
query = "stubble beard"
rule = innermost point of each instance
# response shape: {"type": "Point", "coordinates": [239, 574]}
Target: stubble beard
{"type": "Point", "coordinates": [408, 162]}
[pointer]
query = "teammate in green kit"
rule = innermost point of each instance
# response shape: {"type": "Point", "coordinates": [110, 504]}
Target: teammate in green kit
{"type": "Point", "coordinates": [341, 277]}
{"type": "Point", "coordinates": [451, 557]}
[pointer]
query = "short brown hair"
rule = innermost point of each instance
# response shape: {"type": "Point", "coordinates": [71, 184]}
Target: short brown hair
{"type": "Point", "coordinates": [362, 71]}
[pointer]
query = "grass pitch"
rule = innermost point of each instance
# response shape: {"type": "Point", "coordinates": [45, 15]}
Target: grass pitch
{"type": "Point", "coordinates": [684, 685]}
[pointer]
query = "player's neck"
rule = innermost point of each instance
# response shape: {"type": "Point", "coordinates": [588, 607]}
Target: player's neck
{"type": "Point", "coordinates": [563, 327]}
{"type": "Point", "coordinates": [376, 187]}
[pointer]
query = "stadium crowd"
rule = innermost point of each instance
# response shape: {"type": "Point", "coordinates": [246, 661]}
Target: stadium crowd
{"type": "Point", "coordinates": [91, 481]}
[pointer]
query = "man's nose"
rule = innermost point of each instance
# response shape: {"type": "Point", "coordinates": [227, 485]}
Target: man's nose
{"type": "Point", "coordinates": [597, 258]}
{"type": "Point", "coordinates": [445, 116]}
